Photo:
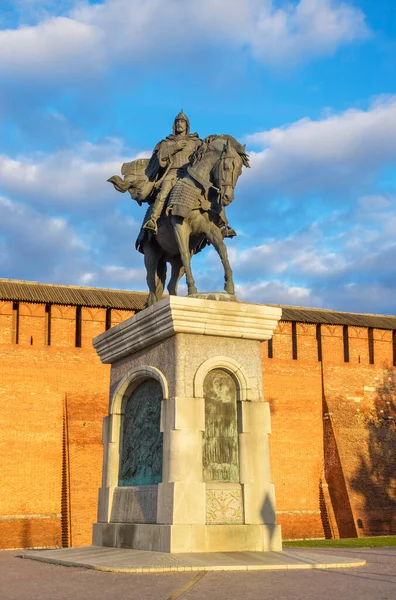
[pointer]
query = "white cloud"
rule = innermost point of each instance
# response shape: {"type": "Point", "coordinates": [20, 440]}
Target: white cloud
{"type": "Point", "coordinates": [98, 248]}
{"type": "Point", "coordinates": [125, 276]}
{"type": "Point", "coordinates": [305, 255]}
{"type": "Point", "coordinates": [344, 150]}
{"type": "Point", "coordinates": [116, 276]}
{"type": "Point", "coordinates": [32, 11]}
{"type": "Point", "coordinates": [56, 49]}
{"type": "Point", "coordinates": [21, 220]}
{"type": "Point", "coordinates": [310, 27]}
{"type": "Point", "coordinates": [353, 270]}
{"type": "Point", "coordinates": [65, 178]}
{"type": "Point", "coordinates": [30, 238]}
{"type": "Point", "coordinates": [275, 292]}
{"type": "Point", "coordinates": [133, 32]}
{"type": "Point", "coordinates": [35, 246]}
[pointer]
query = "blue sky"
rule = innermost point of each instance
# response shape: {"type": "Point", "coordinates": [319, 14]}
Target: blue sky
{"type": "Point", "coordinates": [308, 85]}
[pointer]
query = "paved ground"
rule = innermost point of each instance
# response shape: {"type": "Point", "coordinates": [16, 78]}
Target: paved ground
{"type": "Point", "coordinates": [22, 579]}
{"type": "Point", "coordinates": [123, 560]}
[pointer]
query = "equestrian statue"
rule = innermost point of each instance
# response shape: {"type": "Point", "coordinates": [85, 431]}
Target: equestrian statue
{"type": "Point", "coordinates": [187, 184]}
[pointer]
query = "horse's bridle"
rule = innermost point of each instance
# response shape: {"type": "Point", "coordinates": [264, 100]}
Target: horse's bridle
{"type": "Point", "coordinates": [220, 170]}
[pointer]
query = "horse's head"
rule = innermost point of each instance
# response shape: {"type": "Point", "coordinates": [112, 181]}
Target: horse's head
{"type": "Point", "coordinates": [232, 158]}
{"type": "Point", "coordinates": [218, 163]}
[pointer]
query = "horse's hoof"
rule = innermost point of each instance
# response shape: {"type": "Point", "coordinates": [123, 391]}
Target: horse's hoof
{"type": "Point", "coordinates": [229, 289]}
{"type": "Point", "coordinates": [151, 299]}
{"type": "Point", "coordinates": [192, 290]}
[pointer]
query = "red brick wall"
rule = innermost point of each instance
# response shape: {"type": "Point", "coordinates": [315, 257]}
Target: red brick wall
{"type": "Point", "coordinates": [6, 322]}
{"type": "Point", "coordinates": [30, 458]}
{"type": "Point", "coordinates": [63, 326]}
{"type": "Point", "coordinates": [31, 324]}
{"type": "Point", "coordinates": [85, 412]}
{"type": "Point", "coordinates": [333, 422]}
{"type": "Point", "coordinates": [293, 388]}
{"type": "Point", "coordinates": [51, 474]}
{"type": "Point", "coordinates": [332, 444]}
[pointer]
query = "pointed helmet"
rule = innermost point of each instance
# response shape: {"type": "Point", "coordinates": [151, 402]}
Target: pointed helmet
{"type": "Point", "coordinates": [180, 116]}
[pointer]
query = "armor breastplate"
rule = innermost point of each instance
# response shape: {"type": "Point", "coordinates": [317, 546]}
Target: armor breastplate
{"type": "Point", "coordinates": [182, 157]}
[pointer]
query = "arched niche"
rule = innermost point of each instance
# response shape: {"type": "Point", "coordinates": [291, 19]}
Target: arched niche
{"type": "Point", "coordinates": [125, 390]}
{"type": "Point", "coordinates": [220, 451]}
{"type": "Point", "coordinates": [225, 363]}
{"type": "Point", "coordinates": [141, 444]}
{"type": "Point", "coordinates": [130, 381]}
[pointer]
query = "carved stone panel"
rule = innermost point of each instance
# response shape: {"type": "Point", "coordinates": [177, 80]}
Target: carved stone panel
{"type": "Point", "coordinates": [220, 442]}
{"type": "Point", "coordinates": [224, 504]}
{"type": "Point", "coordinates": [141, 452]}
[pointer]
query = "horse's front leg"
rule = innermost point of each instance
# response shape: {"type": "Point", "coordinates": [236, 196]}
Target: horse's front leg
{"type": "Point", "coordinates": [216, 239]}
{"type": "Point", "coordinates": [182, 233]}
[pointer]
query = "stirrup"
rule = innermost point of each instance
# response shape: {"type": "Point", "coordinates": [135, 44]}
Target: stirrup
{"type": "Point", "coordinates": [151, 225]}
{"type": "Point", "coordinates": [228, 232]}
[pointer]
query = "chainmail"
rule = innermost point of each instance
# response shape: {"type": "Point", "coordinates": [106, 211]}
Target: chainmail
{"type": "Point", "coordinates": [184, 197]}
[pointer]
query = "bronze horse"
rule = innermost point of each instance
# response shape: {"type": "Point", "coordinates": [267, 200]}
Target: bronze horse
{"type": "Point", "coordinates": [193, 216]}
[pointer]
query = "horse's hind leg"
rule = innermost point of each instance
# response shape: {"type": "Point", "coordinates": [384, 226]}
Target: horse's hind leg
{"type": "Point", "coordinates": [161, 277]}
{"type": "Point", "coordinates": [214, 236]}
{"type": "Point", "coordinates": [176, 273]}
{"type": "Point", "coordinates": [151, 260]}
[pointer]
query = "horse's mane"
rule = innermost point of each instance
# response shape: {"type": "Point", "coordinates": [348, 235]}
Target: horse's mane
{"type": "Point", "coordinates": [200, 152]}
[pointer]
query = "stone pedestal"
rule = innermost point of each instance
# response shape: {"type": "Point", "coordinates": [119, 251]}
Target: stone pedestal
{"type": "Point", "coordinates": [177, 342]}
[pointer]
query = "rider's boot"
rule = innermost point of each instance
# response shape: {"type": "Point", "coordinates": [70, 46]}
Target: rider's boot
{"type": "Point", "coordinates": [226, 230]}
{"type": "Point", "coordinates": [151, 223]}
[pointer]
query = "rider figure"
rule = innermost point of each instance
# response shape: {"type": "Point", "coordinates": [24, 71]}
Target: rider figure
{"type": "Point", "coordinates": [168, 163]}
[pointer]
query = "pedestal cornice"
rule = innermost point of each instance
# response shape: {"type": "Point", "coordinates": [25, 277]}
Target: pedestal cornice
{"type": "Point", "coordinates": [178, 314]}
